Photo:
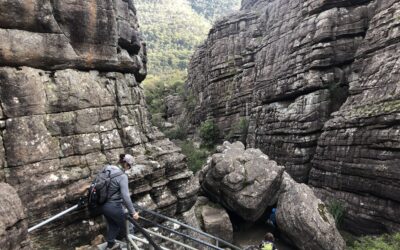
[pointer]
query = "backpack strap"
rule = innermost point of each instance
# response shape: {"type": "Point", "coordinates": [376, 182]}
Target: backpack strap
{"type": "Point", "coordinates": [116, 174]}
{"type": "Point", "coordinates": [104, 170]}
{"type": "Point", "coordinates": [113, 176]}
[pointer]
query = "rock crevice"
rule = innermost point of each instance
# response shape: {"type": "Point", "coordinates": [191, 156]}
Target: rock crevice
{"type": "Point", "coordinates": [247, 183]}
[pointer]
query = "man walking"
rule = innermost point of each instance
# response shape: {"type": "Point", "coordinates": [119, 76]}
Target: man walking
{"type": "Point", "coordinates": [118, 194]}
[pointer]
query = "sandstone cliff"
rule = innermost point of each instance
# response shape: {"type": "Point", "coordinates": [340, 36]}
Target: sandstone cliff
{"type": "Point", "coordinates": [71, 101]}
{"type": "Point", "coordinates": [13, 225]}
{"type": "Point", "coordinates": [318, 82]}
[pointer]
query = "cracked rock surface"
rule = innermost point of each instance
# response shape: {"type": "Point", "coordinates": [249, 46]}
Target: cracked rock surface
{"type": "Point", "coordinates": [259, 183]}
{"type": "Point", "coordinates": [13, 224]}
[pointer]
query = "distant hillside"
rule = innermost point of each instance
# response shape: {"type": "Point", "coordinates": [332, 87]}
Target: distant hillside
{"type": "Point", "coordinates": [213, 9]}
{"type": "Point", "coordinates": [172, 30]}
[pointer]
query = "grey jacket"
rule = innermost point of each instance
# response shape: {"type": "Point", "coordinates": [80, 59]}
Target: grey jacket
{"type": "Point", "coordinates": [119, 189]}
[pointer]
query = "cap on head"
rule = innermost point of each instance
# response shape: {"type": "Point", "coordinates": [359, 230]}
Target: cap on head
{"type": "Point", "coordinates": [269, 237]}
{"type": "Point", "coordinates": [127, 158]}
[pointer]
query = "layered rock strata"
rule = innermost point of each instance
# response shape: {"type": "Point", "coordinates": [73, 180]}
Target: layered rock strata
{"type": "Point", "coordinates": [283, 67]}
{"type": "Point", "coordinates": [13, 224]}
{"type": "Point", "coordinates": [174, 108]}
{"type": "Point", "coordinates": [358, 156]}
{"type": "Point", "coordinates": [287, 67]}
{"type": "Point", "coordinates": [71, 101]}
{"type": "Point", "coordinates": [246, 182]}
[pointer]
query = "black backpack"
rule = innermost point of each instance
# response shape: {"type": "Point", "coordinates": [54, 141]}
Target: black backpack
{"type": "Point", "coordinates": [98, 191]}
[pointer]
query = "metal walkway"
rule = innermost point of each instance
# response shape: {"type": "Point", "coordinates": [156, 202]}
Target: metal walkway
{"type": "Point", "coordinates": [174, 237]}
{"type": "Point", "coordinates": [160, 237]}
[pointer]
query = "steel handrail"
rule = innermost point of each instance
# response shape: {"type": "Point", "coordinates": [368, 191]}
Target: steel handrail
{"type": "Point", "coordinates": [133, 237]}
{"type": "Point", "coordinates": [171, 240]}
{"type": "Point", "coordinates": [181, 234]}
{"type": "Point", "coordinates": [189, 227]}
{"type": "Point", "coordinates": [59, 215]}
{"type": "Point", "coordinates": [144, 232]}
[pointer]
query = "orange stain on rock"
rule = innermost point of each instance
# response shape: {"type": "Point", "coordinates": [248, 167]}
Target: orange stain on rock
{"type": "Point", "coordinates": [29, 11]}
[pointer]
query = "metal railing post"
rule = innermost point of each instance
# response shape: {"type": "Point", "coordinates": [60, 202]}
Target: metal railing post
{"type": "Point", "coordinates": [127, 234]}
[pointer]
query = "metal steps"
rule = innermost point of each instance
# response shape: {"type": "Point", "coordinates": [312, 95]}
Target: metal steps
{"type": "Point", "coordinates": [185, 241]}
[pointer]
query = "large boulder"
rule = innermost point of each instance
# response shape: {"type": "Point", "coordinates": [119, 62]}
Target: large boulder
{"type": "Point", "coordinates": [13, 226]}
{"type": "Point", "coordinates": [305, 219]}
{"type": "Point", "coordinates": [214, 219]}
{"type": "Point", "coordinates": [247, 183]}
{"type": "Point", "coordinates": [244, 181]}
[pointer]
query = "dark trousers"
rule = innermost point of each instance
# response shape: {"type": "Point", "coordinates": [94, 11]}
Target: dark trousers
{"type": "Point", "coordinates": [115, 217]}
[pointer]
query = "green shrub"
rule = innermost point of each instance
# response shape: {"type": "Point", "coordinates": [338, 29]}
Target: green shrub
{"type": "Point", "coordinates": [196, 157]}
{"type": "Point", "coordinates": [209, 133]}
{"type": "Point", "coordinates": [178, 133]}
{"type": "Point", "coordinates": [158, 120]}
{"type": "Point", "coordinates": [157, 88]}
{"type": "Point", "coordinates": [384, 242]}
{"type": "Point", "coordinates": [336, 208]}
{"type": "Point", "coordinates": [190, 103]}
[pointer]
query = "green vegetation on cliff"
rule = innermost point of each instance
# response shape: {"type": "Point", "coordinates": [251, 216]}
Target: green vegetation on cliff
{"type": "Point", "coordinates": [384, 242]}
{"type": "Point", "coordinates": [172, 30]}
{"type": "Point", "coordinates": [213, 9]}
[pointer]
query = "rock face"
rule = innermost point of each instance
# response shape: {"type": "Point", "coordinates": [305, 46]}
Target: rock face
{"type": "Point", "coordinates": [244, 181]}
{"type": "Point", "coordinates": [358, 151]}
{"type": "Point", "coordinates": [174, 108]}
{"type": "Point", "coordinates": [70, 102]}
{"type": "Point", "coordinates": [301, 216]}
{"type": "Point", "coordinates": [214, 219]}
{"type": "Point", "coordinates": [318, 82]}
{"type": "Point", "coordinates": [206, 216]}
{"type": "Point", "coordinates": [13, 224]}
{"type": "Point", "coordinates": [96, 34]}
{"type": "Point", "coordinates": [305, 218]}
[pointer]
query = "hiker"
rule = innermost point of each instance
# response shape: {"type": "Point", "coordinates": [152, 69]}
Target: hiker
{"type": "Point", "coordinates": [118, 191]}
{"type": "Point", "coordinates": [272, 218]}
{"type": "Point", "coordinates": [268, 242]}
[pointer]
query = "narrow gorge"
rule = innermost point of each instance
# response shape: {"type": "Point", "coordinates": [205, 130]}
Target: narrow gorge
{"type": "Point", "coordinates": [312, 85]}
{"type": "Point", "coordinates": [318, 83]}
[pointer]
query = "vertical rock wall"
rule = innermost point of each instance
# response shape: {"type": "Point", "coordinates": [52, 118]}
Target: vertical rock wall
{"type": "Point", "coordinates": [13, 224]}
{"type": "Point", "coordinates": [287, 67]}
{"type": "Point", "coordinates": [282, 65]}
{"type": "Point", "coordinates": [358, 151]}
{"type": "Point", "coordinates": [71, 101]}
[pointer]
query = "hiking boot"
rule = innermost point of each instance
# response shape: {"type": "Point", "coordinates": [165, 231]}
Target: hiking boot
{"type": "Point", "coordinates": [116, 246]}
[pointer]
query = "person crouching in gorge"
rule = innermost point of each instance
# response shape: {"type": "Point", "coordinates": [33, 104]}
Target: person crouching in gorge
{"type": "Point", "coordinates": [107, 195]}
{"type": "Point", "coordinates": [268, 242]}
